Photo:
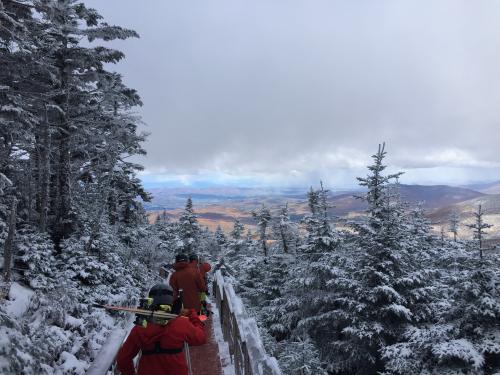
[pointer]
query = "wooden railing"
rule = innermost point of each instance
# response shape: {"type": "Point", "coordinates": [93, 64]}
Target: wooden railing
{"type": "Point", "coordinates": [241, 333]}
{"type": "Point", "coordinates": [105, 363]}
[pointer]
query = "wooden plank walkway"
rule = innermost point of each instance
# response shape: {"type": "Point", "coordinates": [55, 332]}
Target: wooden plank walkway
{"type": "Point", "coordinates": [205, 359]}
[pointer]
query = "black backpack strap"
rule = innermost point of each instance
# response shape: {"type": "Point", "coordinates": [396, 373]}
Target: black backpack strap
{"type": "Point", "coordinates": [159, 350]}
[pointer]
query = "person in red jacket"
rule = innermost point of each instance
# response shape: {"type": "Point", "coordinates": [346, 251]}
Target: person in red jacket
{"type": "Point", "coordinates": [202, 268]}
{"type": "Point", "coordinates": [161, 345]}
{"type": "Point", "coordinates": [189, 280]}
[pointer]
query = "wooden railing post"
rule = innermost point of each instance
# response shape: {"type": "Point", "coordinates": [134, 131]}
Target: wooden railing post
{"type": "Point", "coordinates": [233, 320]}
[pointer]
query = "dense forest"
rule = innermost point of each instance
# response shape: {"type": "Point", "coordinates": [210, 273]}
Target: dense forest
{"type": "Point", "coordinates": [379, 294]}
{"type": "Point", "coordinates": [72, 228]}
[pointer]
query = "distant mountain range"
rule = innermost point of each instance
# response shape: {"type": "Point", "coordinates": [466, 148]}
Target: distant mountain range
{"type": "Point", "coordinates": [173, 198]}
{"type": "Point", "coordinates": [221, 206]}
{"type": "Point", "coordinates": [487, 188]}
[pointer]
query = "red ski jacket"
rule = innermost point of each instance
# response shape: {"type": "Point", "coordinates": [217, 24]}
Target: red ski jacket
{"type": "Point", "coordinates": [190, 281]}
{"type": "Point", "coordinates": [203, 268]}
{"type": "Point", "coordinates": [170, 337]}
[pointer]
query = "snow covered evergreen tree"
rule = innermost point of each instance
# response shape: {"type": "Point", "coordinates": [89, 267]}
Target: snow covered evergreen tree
{"type": "Point", "coordinates": [237, 240]}
{"type": "Point", "coordinates": [321, 236]}
{"type": "Point", "coordinates": [285, 231]}
{"type": "Point", "coordinates": [263, 219]}
{"type": "Point", "coordinates": [189, 228]}
{"type": "Point", "coordinates": [66, 131]}
{"type": "Point", "coordinates": [384, 290]}
{"type": "Point", "coordinates": [238, 230]}
{"type": "Point", "coordinates": [454, 222]}
{"type": "Point", "coordinates": [220, 238]}
{"type": "Point", "coordinates": [479, 227]}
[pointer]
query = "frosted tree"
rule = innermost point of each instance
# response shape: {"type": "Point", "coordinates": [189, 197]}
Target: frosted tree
{"type": "Point", "coordinates": [301, 310]}
{"type": "Point", "coordinates": [249, 237]}
{"type": "Point", "coordinates": [479, 227]}
{"type": "Point", "coordinates": [162, 217]}
{"type": "Point", "coordinates": [236, 242]}
{"type": "Point", "coordinates": [71, 114]}
{"type": "Point", "coordinates": [421, 238]}
{"type": "Point", "coordinates": [285, 231]}
{"type": "Point", "coordinates": [77, 70]}
{"type": "Point", "coordinates": [321, 236]}
{"type": "Point", "coordinates": [300, 356]}
{"type": "Point", "coordinates": [220, 238]}
{"type": "Point", "coordinates": [454, 224]}
{"type": "Point", "coordinates": [167, 233]}
{"type": "Point", "coordinates": [67, 130]}
{"type": "Point", "coordinates": [263, 219]}
{"type": "Point", "coordinates": [463, 337]}
{"type": "Point", "coordinates": [188, 227]}
{"type": "Point", "coordinates": [238, 230]}
{"type": "Point", "coordinates": [384, 291]}
{"type": "Point", "coordinates": [17, 120]}
{"type": "Point", "coordinates": [474, 346]}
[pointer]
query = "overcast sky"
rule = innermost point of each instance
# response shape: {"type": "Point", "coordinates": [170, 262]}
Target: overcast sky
{"type": "Point", "coordinates": [286, 92]}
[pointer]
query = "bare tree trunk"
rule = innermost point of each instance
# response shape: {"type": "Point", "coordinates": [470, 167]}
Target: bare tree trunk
{"type": "Point", "coordinates": [283, 239]}
{"type": "Point", "coordinates": [5, 154]}
{"type": "Point", "coordinates": [9, 242]}
{"type": "Point", "coordinates": [64, 224]}
{"type": "Point", "coordinates": [29, 182]}
{"type": "Point", "coordinates": [112, 208]}
{"type": "Point", "coordinates": [44, 175]}
{"type": "Point", "coordinates": [480, 237]}
{"type": "Point", "coordinates": [64, 206]}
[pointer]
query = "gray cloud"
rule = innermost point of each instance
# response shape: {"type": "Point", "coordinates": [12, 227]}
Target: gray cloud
{"type": "Point", "coordinates": [308, 87]}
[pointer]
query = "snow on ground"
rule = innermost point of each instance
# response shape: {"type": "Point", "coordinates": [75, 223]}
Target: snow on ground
{"type": "Point", "coordinates": [225, 358]}
{"type": "Point", "coordinates": [19, 300]}
{"type": "Point", "coordinates": [71, 365]}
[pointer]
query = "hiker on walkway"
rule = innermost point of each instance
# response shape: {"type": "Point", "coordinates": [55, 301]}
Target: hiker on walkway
{"type": "Point", "coordinates": [189, 280]}
{"type": "Point", "coordinates": [203, 267]}
{"type": "Point", "coordinates": [161, 342]}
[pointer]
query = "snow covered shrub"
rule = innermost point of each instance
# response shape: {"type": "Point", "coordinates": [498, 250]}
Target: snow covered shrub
{"type": "Point", "coordinates": [16, 356]}
{"type": "Point", "coordinates": [35, 252]}
{"type": "Point", "coordinates": [98, 277]}
{"type": "Point", "coordinates": [299, 357]}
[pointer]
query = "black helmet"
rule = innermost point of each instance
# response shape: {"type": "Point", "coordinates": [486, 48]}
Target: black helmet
{"type": "Point", "coordinates": [181, 258]}
{"type": "Point", "coordinates": [161, 294]}
{"type": "Point", "coordinates": [193, 257]}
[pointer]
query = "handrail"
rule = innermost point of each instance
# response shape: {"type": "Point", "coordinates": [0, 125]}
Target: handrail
{"type": "Point", "coordinates": [105, 360]}
{"type": "Point", "coordinates": [241, 333]}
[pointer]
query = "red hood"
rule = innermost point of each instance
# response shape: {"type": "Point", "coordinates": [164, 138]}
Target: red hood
{"type": "Point", "coordinates": [180, 265]}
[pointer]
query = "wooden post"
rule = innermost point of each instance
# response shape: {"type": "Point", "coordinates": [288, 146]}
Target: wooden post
{"type": "Point", "coordinates": [9, 242]}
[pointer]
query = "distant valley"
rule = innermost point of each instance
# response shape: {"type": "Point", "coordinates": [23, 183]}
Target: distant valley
{"type": "Point", "coordinates": [221, 206]}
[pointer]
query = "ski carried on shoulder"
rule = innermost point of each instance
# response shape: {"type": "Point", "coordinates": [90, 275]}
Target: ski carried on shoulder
{"type": "Point", "coordinates": [133, 310]}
